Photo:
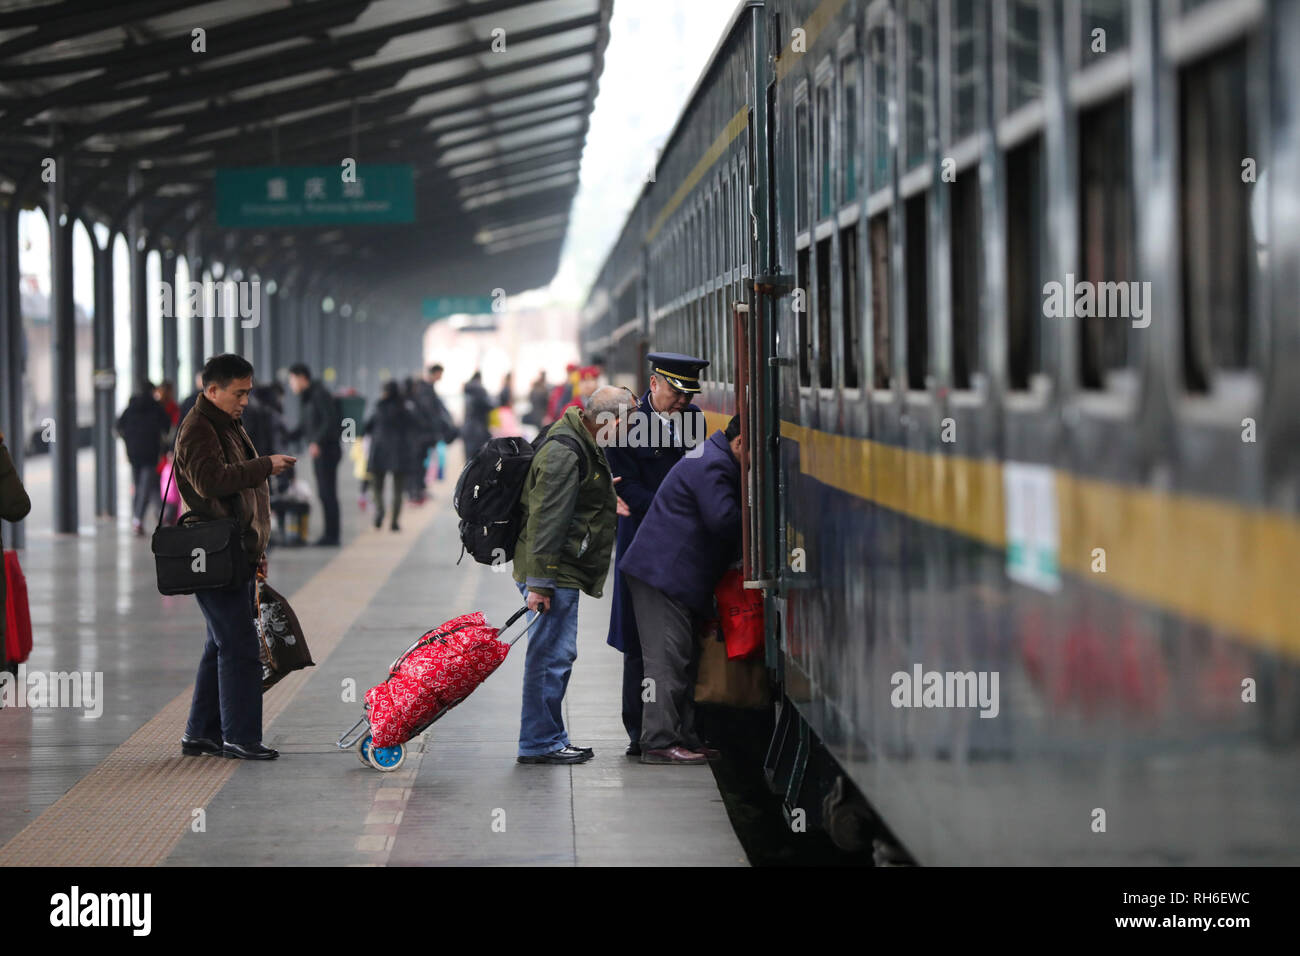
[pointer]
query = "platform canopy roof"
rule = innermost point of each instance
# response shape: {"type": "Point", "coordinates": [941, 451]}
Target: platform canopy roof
{"type": "Point", "coordinates": [143, 120]}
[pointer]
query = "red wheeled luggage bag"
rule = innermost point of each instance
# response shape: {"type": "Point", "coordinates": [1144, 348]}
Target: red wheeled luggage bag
{"type": "Point", "coordinates": [433, 675]}
{"type": "Point", "coordinates": [442, 668]}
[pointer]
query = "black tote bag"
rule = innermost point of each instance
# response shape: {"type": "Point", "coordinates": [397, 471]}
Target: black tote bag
{"type": "Point", "coordinates": [198, 555]}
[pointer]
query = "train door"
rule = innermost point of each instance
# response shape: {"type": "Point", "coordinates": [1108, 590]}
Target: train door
{"type": "Point", "coordinates": [753, 429]}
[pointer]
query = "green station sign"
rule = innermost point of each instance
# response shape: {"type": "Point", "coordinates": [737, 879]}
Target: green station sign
{"type": "Point", "coordinates": [456, 305]}
{"type": "Point", "coordinates": [260, 197]}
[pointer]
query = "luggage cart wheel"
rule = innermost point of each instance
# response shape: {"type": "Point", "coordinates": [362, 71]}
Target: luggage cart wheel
{"type": "Point", "coordinates": [363, 749]}
{"type": "Point", "coordinates": [387, 758]}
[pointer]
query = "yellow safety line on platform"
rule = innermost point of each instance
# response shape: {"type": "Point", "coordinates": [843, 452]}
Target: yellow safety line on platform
{"type": "Point", "coordinates": [375, 844]}
{"type": "Point", "coordinates": [134, 807]}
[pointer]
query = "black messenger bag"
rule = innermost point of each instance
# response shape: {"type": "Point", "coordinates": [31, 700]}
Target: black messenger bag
{"type": "Point", "coordinates": [198, 555]}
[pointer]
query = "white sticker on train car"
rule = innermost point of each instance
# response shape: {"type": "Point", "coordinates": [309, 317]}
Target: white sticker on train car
{"type": "Point", "coordinates": [1033, 533]}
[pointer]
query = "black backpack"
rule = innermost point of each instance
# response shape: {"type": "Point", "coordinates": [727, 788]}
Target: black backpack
{"type": "Point", "coordinates": [488, 492]}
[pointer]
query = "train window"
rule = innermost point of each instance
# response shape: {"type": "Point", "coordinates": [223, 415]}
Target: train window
{"type": "Point", "coordinates": [850, 314]}
{"type": "Point", "coordinates": [967, 33]}
{"type": "Point", "coordinates": [721, 227]}
{"type": "Point", "coordinates": [918, 309]}
{"type": "Point", "coordinates": [1025, 234]}
{"type": "Point", "coordinates": [675, 263]}
{"type": "Point", "coordinates": [697, 268]}
{"type": "Point", "coordinates": [710, 245]}
{"type": "Point", "coordinates": [731, 355]}
{"type": "Point", "coordinates": [1022, 53]}
{"type": "Point", "coordinates": [879, 46]}
{"type": "Point", "coordinates": [683, 264]}
{"type": "Point", "coordinates": [744, 210]}
{"type": "Point", "coordinates": [738, 220]}
{"type": "Point", "coordinates": [849, 147]}
{"type": "Point", "coordinates": [920, 64]}
{"type": "Point", "coordinates": [801, 315]}
{"type": "Point", "coordinates": [966, 264]}
{"type": "Point", "coordinates": [718, 359]}
{"type": "Point", "coordinates": [701, 245]}
{"type": "Point", "coordinates": [1217, 242]}
{"type": "Point", "coordinates": [801, 165]}
{"type": "Point", "coordinates": [1111, 18]}
{"type": "Point", "coordinates": [720, 337]}
{"type": "Point", "coordinates": [724, 234]}
{"type": "Point", "coordinates": [697, 328]}
{"type": "Point", "coordinates": [825, 120]}
{"type": "Point", "coordinates": [824, 313]}
{"type": "Point", "coordinates": [684, 250]}
{"type": "Point", "coordinates": [881, 339]}
{"type": "Point", "coordinates": [1105, 233]}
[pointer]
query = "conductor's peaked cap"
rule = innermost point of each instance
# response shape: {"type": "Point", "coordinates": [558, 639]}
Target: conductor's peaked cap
{"type": "Point", "coordinates": [682, 372]}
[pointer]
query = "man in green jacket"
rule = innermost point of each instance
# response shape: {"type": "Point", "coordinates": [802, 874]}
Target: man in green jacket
{"type": "Point", "coordinates": [570, 515]}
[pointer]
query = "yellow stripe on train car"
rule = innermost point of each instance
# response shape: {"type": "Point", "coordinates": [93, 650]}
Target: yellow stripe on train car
{"type": "Point", "coordinates": [738, 123]}
{"type": "Point", "coordinates": [1205, 559]}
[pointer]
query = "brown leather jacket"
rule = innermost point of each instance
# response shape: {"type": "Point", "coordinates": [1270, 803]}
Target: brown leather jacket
{"type": "Point", "coordinates": [215, 461]}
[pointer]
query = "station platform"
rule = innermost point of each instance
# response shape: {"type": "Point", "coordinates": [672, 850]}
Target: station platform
{"type": "Point", "coordinates": [115, 790]}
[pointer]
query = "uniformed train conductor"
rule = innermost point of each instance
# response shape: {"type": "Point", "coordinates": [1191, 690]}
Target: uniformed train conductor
{"type": "Point", "coordinates": [669, 420]}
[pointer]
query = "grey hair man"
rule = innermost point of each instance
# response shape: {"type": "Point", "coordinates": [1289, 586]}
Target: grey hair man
{"type": "Point", "coordinates": [569, 517]}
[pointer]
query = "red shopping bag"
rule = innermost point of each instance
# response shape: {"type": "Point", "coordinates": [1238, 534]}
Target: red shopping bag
{"type": "Point", "coordinates": [18, 615]}
{"type": "Point", "coordinates": [740, 614]}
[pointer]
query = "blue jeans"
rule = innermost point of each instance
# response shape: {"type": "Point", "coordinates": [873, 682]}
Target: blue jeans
{"type": "Point", "coordinates": [552, 649]}
{"type": "Point", "coordinates": [227, 703]}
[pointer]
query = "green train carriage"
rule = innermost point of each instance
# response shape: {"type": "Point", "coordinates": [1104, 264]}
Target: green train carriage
{"type": "Point", "coordinates": [859, 216]}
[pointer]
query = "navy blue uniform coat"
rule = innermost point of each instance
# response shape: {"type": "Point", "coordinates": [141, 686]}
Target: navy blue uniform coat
{"type": "Point", "coordinates": [643, 470]}
{"type": "Point", "coordinates": [691, 534]}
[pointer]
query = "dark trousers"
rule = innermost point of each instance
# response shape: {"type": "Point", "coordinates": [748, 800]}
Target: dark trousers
{"type": "Point", "coordinates": [377, 489]}
{"type": "Point", "coordinates": [327, 486]}
{"type": "Point", "coordinates": [147, 490]}
{"type": "Point", "coordinates": [227, 703]}
{"type": "Point", "coordinates": [667, 631]}
{"type": "Point", "coordinates": [633, 674]}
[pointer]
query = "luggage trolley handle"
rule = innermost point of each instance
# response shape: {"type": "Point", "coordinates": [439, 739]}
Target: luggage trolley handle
{"type": "Point", "coordinates": [516, 616]}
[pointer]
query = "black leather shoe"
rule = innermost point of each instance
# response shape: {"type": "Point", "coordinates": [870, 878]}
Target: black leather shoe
{"type": "Point", "coordinates": [563, 755]}
{"type": "Point", "coordinates": [582, 750]}
{"type": "Point", "coordinates": [633, 749]}
{"type": "Point", "coordinates": [200, 746]}
{"type": "Point", "coordinates": [248, 752]}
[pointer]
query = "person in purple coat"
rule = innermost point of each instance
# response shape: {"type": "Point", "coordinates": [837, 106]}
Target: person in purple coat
{"type": "Point", "coordinates": [670, 426]}
{"type": "Point", "coordinates": [688, 539]}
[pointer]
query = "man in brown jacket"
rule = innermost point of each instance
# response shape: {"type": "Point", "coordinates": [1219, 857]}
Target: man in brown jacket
{"type": "Point", "coordinates": [220, 475]}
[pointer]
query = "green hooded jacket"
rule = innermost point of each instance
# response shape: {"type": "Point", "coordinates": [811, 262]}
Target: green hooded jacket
{"type": "Point", "coordinates": [568, 527]}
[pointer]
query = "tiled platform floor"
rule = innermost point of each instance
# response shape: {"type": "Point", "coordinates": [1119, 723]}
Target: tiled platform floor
{"type": "Point", "coordinates": [460, 798]}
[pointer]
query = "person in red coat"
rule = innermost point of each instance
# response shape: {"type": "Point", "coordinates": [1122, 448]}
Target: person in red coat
{"type": "Point", "coordinates": [14, 506]}
{"type": "Point", "coordinates": [588, 382]}
{"type": "Point", "coordinates": [166, 395]}
{"type": "Point", "coordinates": [562, 393]}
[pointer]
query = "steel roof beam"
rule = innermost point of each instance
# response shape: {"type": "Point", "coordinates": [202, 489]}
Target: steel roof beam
{"type": "Point", "coordinates": [243, 74]}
